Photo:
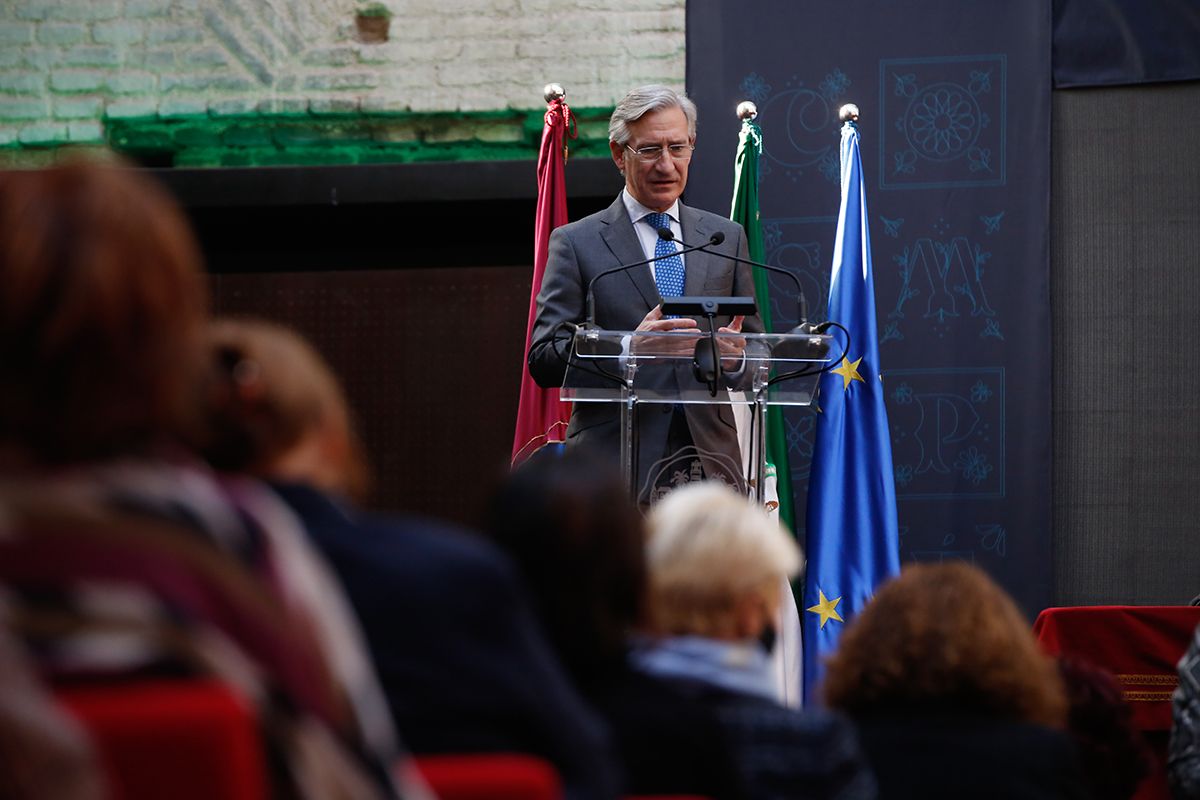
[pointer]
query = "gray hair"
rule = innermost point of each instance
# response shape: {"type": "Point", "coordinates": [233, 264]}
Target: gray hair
{"type": "Point", "coordinates": [654, 97]}
{"type": "Point", "coordinates": [707, 547]}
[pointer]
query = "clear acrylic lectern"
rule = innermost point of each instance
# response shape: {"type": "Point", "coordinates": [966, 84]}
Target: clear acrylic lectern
{"type": "Point", "coordinates": [634, 368]}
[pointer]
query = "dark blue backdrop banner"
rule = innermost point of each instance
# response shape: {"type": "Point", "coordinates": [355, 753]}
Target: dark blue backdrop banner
{"type": "Point", "coordinates": [1112, 42]}
{"type": "Point", "coordinates": [955, 104]}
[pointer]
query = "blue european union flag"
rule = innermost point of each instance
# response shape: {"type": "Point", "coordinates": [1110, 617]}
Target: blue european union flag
{"type": "Point", "coordinates": [853, 538]}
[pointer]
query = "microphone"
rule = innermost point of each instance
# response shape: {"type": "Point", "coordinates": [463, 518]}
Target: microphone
{"type": "Point", "coordinates": [807, 350]}
{"type": "Point", "coordinates": [718, 237]}
{"type": "Point", "coordinates": [663, 233]}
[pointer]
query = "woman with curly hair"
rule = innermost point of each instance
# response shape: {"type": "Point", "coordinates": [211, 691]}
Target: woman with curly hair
{"type": "Point", "coordinates": [951, 694]}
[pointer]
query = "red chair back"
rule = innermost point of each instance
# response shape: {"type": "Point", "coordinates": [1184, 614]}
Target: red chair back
{"type": "Point", "coordinates": [184, 740]}
{"type": "Point", "coordinates": [490, 776]}
{"type": "Point", "coordinates": [1141, 646]}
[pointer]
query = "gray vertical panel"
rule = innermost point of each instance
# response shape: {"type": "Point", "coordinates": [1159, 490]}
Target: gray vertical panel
{"type": "Point", "coordinates": [1125, 288]}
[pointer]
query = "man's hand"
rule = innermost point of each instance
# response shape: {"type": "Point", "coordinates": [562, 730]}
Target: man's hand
{"type": "Point", "coordinates": [732, 349]}
{"type": "Point", "coordinates": [684, 344]}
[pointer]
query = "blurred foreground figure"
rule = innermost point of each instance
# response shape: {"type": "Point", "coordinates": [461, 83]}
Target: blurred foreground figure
{"type": "Point", "coordinates": [122, 556]}
{"type": "Point", "coordinates": [463, 664]}
{"type": "Point", "coordinates": [1183, 752]}
{"type": "Point", "coordinates": [43, 753]}
{"type": "Point", "coordinates": [578, 540]}
{"type": "Point", "coordinates": [717, 563]}
{"type": "Point", "coordinates": [951, 694]}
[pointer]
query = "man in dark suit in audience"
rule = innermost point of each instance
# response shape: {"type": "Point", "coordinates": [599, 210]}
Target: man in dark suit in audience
{"type": "Point", "coordinates": [461, 658]}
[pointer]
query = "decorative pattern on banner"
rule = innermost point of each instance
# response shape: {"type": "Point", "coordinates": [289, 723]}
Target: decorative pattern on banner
{"type": "Point", "coordinates": [943, 280]}
{"type": "Point", "coordinates": [942, 122]}
{"type": "Point", "coordinates": [807, 115]}
{"type": "Point", "coordinates": [947, 432]}
{"type": "Point", "coordinates": [955, 145]}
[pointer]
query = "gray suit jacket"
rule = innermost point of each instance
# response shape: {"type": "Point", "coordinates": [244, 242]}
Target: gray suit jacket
{"type": "Point", "coordinates": [580, 251]}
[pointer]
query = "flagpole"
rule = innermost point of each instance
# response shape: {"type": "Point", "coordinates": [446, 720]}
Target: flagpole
{"type": "Point", "coordinates": [852, 541]}
{"type": "Point", "coordinates": [770, 436]}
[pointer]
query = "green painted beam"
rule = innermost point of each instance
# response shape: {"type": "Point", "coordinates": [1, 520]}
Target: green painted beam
{"type": "Point", "coordinates": [319, 139]}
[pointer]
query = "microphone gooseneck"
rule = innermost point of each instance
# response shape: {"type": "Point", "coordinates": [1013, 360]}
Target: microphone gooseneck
{"type": "Point", "coordinates": [718, 237]}
{"type": "Point", "coordinates": [715, 239]}
{"type": "Point", "coordinates": [663, 233]}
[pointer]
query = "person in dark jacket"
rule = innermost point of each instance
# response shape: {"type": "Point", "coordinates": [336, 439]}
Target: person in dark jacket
{"type": "Point", "coordinates": [1114, 755]}
{"type": "Point", "coordinates": [462, 661]}
{"type": "Point", "coordinates": [577, 538]}
{"type": "Point", "coordinates": [717, 563]}
{"type": "Point", "coordinates": [951, 694]}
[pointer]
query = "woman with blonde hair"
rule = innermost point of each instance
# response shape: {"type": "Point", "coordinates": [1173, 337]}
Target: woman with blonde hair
{"type": "Point", "coordinates": [716, 564]}
{"type": "Point", "coordinates": [952, 696]}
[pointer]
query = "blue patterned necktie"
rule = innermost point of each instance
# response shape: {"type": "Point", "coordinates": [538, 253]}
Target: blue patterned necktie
{"type": "Point", "coordinates": [668, 272]}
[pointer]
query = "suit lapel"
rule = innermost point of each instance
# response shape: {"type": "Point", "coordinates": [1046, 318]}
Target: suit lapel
{"type": "Point", "coordinates": [621, 239]}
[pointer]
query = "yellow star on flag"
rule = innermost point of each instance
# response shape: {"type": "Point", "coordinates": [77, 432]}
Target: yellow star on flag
{"type": "Point", "coordinates": [849, 372]}
{"type": "Point", "coordinates": [826, 608]}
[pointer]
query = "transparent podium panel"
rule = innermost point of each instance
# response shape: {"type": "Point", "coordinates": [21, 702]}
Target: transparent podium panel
{"type": "Point", "coordinates": [646, 372]}
{"type": "Point", "coordinates": [666, 367]}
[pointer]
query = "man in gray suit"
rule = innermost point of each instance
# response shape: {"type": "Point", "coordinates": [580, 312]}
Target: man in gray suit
{"type": "Point", "coordinates": [651, 134]}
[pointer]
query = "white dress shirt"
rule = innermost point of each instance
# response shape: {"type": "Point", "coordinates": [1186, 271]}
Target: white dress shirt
{"type": "Point", "coordinates": [646, 233]}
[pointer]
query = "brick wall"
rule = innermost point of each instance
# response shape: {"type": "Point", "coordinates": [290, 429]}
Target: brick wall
{"type": "Point", "coordinates": [73, 71]}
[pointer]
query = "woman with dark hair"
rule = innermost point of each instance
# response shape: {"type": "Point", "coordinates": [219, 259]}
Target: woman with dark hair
{"type": "Point", "coordinates": [952, 696]}
{"type": "Point", "coordinates": [1114, 755]}
{"type": "Point", "coordinates": [120, 554]}
{"type": "Point", "coordinates": [463, 665]}
{"type": "Point", "coordinates": [102, 311]}
{"type": "Point", "coordinates": [578, 541]}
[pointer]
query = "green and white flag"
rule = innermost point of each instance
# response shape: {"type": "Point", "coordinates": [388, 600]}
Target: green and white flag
{"type": "Point", "coordinates": [745, 211]}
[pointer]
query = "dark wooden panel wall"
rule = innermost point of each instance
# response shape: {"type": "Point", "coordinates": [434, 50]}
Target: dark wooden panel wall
{"type": "Point", "coordinates": [431, 361]}
{"type": "Point", "coordinates": [413, 282]}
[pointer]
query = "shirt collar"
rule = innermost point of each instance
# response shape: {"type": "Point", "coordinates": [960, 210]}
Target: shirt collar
{"type": "Point", "coordinates": [637, 210]}
{"type": "Point", "coordinates": [742, 667]}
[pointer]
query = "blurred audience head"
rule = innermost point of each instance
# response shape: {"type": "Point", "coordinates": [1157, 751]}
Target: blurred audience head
{"type": "Point", "coordinates": [577, 538]}
{"type": "Point", "coordinates": [276, 410]}
{"type": "Point", "coordinates": [717, 563]}
{"type": "Point", "coordinates": [944, 637]}
{"type": "Point", "coordinates": [102, 307]}
{"type": "Point", "coordinates": [1113, 753]}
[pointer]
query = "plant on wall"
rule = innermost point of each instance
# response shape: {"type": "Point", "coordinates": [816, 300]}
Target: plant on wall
{"type": "Point", "coordinates": [372, 22]}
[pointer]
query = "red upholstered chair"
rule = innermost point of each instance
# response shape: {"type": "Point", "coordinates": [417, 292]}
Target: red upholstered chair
{"type": "Point", "coordinates": [490, 776]}
{"type": "Point", "coordinates": [1141, 646]}
{"type": "Point", "coordinates": [186, 740]}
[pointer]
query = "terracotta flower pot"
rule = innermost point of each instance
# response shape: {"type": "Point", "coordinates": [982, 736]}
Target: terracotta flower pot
{"type": "Point", "coordinates": [372, 28]}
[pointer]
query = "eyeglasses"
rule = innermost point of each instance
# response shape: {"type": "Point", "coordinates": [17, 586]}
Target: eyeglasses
{"type": "Point", "coordinates": [651, 153]}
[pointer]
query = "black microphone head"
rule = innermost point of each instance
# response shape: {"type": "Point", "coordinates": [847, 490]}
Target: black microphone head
{"type": "Point", "coordinates": [717, 237]}
{"type": "Point", "coordinates": [665, 234]}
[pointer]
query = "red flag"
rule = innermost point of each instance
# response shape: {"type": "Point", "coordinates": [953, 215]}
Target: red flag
{"type": "Point", "coordinates": [541, 416]}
